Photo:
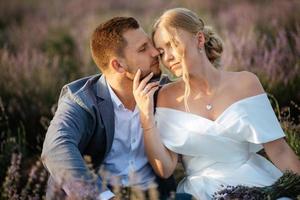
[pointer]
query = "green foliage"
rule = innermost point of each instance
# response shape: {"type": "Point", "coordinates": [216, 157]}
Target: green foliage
{"type": "Point", "coordinates": [292, 131]}
{"type": "Point", "coordinates": [9, 142]}
{"type": "Point", "coordinates": [61, 45]}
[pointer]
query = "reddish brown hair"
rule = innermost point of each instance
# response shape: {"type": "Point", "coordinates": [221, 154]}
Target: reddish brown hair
{"type": "Point", "coordinates": [107, 39]}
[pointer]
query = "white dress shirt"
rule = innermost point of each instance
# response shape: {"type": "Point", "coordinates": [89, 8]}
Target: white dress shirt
{"type": "Point", "coordinates": [126, 163]}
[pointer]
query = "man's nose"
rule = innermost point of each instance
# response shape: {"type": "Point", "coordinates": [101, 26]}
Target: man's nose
{"type": "Point", "coordinates": [154, 52]}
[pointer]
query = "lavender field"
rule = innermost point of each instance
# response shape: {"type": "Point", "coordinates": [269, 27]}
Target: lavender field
{"type": "Point", "coordinates": [45, 44]}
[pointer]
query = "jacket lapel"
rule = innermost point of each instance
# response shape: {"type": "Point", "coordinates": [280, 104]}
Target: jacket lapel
{"type": "Point", "coordinates": [106, 112]}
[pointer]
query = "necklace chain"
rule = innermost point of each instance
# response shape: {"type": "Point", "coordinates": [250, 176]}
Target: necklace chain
{"type": "Point", "coordinates": [209, 106]}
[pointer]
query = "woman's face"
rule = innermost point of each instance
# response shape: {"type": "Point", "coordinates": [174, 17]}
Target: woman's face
{"type": "Point", "coordinates": [172, 45]}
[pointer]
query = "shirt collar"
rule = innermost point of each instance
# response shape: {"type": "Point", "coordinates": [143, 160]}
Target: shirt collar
{"type": "Point", "coordinates": [115, 99]}
{"type": "Point", "coordinates": [117, 104]}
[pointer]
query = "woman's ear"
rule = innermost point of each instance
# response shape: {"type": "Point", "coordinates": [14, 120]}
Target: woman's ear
{"type": "Point", "coordinates": [117, 65]}
{"type": "Point", "coordinates": [200, 39]}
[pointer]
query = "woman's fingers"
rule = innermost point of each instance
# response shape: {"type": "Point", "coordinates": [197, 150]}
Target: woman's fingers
{"type": "Point", "coordinates": [140, 87]}
{"type": "Point", "coordinates": [136, 80]}
{"type": "Point", "coordinates": [152, 91]}
{"type": "Point", "coordinates": [144, 82]}
{"type": "Point", "coordinates": [149, 86]}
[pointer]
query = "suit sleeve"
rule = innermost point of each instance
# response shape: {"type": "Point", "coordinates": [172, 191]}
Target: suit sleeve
{"type": "Point", "coordinates": [61, 155]}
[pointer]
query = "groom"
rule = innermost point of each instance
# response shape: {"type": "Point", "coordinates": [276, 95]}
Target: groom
{"type": "Point", "coordinates": [97, 116]}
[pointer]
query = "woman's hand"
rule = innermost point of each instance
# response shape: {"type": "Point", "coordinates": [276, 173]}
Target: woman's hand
{"type": "Point", "coordinates": [163, 161]}
{"type": "Point", "coordinates": [143, 94]}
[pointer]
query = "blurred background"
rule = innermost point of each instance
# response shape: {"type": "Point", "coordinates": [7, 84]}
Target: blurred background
{"type": "Point", "coordinates": [45, 44]}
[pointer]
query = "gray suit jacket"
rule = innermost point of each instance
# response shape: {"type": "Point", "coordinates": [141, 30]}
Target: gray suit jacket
{"type": "Point", "coordinates": [82, 125]}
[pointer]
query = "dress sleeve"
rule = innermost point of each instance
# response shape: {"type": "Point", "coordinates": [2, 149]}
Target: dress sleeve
{"type": "Point", "coordinates": [186, 135]}
{"type": "Point", "coordinates": [260, 122]}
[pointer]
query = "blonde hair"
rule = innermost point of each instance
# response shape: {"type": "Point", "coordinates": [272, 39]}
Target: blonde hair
{"type": "Point", "coordinates": [189, 21]}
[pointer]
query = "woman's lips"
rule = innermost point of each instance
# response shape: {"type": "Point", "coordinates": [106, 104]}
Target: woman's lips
{"type": "Point", "coordinates": [174, 66]}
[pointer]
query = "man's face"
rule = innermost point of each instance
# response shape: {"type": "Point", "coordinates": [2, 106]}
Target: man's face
{"type": "Point", "coordinates": [140, 53]}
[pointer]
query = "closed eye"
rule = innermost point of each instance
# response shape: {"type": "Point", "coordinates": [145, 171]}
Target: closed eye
{"type": "Point", "coordinates": [142, 49]}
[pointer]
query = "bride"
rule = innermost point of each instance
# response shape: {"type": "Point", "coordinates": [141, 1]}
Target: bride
{"type": "Point", "coordinates": [215, 120]}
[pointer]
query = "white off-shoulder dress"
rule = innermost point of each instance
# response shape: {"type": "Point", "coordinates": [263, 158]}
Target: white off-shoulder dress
{"type": "Point", "coordinates": [224, 151]}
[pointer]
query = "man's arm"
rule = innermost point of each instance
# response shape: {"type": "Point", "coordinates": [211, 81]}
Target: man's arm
{"type": "Point", "coordinates": [61, 156]}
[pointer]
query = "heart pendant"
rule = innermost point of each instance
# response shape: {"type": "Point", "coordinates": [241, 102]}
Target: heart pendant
{"type": "Point", "coordinates": [208, 107]}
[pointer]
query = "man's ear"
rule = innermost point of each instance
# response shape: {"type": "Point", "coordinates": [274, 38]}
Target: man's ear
{"type": "Point", "coordinates": [117, 65]}
{"type": "Point", "coordinates": [200, 39]}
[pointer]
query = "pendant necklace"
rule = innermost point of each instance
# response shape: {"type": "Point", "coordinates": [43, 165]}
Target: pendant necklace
{"type": "Point", "coordinates": [209, 106]}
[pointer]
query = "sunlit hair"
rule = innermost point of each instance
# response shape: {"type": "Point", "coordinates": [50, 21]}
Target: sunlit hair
{"type": "Point", "coordinates": [107, 40]}
{"type": "Point", "coordinates": [182, 18]}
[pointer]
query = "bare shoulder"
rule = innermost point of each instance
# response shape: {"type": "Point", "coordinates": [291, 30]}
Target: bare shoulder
{"type": "Point", "coordinates": [167, 94]}
{"type": "Point", "coordinates": [248, 83]}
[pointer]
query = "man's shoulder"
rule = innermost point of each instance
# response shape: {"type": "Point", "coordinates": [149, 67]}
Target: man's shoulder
{"type": "Point", "coordinates": [82, 91]}
{"type": "Point", "coordinates": [82, 84]}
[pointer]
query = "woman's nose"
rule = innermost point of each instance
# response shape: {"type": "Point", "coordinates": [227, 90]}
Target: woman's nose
{"type": "Point", "coordinates": [169, 56]}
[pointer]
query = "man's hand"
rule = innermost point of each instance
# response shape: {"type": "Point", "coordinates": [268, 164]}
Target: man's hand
{"type": "Point", "coordinates": [143, 94]}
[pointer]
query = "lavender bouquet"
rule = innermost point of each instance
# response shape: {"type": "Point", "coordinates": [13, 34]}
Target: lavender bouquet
{"type": "Point", "coordinates": [288, 185]}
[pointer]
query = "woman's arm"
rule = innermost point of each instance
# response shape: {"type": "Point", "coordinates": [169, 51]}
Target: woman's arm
{"type": "Point", "coordinates": [282, 155]}
{"type": "Point", "coordinates": [162, 160]}
{"type": "Point", "coordinates": [278, 150]}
